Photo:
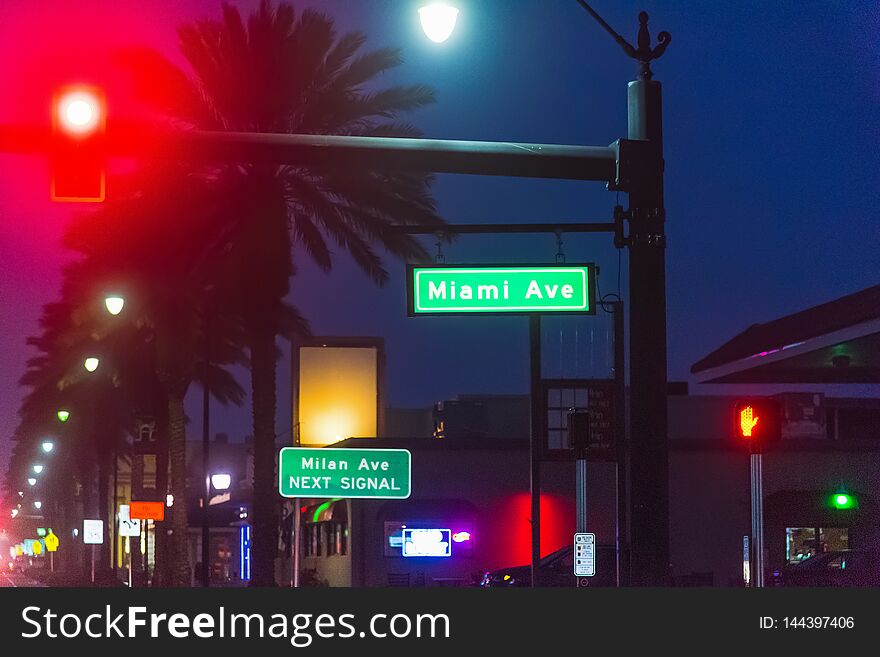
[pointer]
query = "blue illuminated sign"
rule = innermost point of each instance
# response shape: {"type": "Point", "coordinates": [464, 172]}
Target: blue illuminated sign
{"type": "Point", "coordinates": [244, 533]}
{"type": "Point", "coordinates": [427, 542]}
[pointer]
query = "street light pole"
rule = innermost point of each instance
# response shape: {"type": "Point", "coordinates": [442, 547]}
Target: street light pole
{"type": "Point", "coordinates": [647, 294]}
{"type": "Point", "coordinates": [646, 215]}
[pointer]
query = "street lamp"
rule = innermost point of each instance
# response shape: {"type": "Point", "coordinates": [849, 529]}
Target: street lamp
{"type": "Point", "coordinates": [221, 481]}
{"type": "Point", "coordinates": [438, 21]}
{"type": "Point", "coordinates": [91, 363]}
{"type": "Point", "coordinates": [32, 481]}
{"type": "Point", "coordinates": [63, 415]}
{"type": "Point", "coordinates": [37, 468]}
{"type": "Point", "coordinates": [114, 304]}
{"type": "Point", "coordinates": [47, 446]}
{"type": "Point", "coordinates": [38, 504]}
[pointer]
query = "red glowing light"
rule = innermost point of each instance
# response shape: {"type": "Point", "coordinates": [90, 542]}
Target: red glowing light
{"type": "Point", "coordinates": [747, 421]}
{"type": "Point", "coordinates": [78, 164]}
{"type": "Point", "coordinates": [79, 111]}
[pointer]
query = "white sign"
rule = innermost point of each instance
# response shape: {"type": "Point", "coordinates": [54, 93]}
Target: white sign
{"type": "Point", "coordinates": [584, 555]}
{"type": "Point", "coordinates": [427, 542]}
{"type": "Point", "coordinates": [127, 526]}
{"type": "Point", "coordinates": [93, 532]}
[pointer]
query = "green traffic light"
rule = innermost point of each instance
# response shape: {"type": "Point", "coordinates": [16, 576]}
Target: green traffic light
{"type": "Point", "coordinates": [843, 501]}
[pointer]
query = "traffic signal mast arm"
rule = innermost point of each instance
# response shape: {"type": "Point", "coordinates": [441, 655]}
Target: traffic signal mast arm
{"type": "Point", "coordinates": [599, 163]}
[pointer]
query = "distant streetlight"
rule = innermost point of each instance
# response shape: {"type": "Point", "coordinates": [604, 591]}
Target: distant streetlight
{"type": "Point", "coordinates": [14, 512]}
{"type": "Point", "coordinates": [221, 481]}
{"type": "Point", "coordinates": [32, 481]}
{"type": "Point", "coordinates": [91, 363]}
{"type": "Point", "coordinates": [21, 493]}
{"type": "Point", "coordinates": [63, 415]}
{"type": "Point", "coordinates": [438, 21]}
{"type": "Point", "coordinates": [47, 446]}
{"type": "Point", "coordinates": [38, 468]}
{"type": "Point", "coordinates": [169, 500]}
{"type": "Point", "coordinates": [38, 504]}
{"type": "Point", "coordinates": [114, 304]}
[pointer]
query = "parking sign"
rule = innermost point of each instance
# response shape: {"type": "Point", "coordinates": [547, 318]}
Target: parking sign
{"type": "Point", "coordinates": [584, 555]}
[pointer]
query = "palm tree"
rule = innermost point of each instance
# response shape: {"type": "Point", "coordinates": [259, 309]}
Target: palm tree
{"type": "Point", "coordinates": [278, 72]}
{"type": "Point", "coordinates": [155, 241]}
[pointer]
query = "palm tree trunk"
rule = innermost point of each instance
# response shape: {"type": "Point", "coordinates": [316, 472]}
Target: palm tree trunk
{"type": "Point", "coordinates": [265, 543]}
{"type": "Point", "coordinates": [176, 549]}
{"type": "Point", "coordinates": [160, 548]}
{"type": "Point", "coordinates": [104, 513]}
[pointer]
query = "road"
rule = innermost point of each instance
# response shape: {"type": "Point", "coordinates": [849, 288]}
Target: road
{"type": "Point", "coordinates": [15, 579]}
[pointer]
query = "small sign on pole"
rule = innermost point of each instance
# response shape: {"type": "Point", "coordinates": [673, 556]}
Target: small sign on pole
{"type": "Point", "coordinates": [93, 532]}
{"type": "Point", "coordinates": [584, 554]}
{"type": "Point", "coordinates": [127, 525]}
{"type": "Point", "coordinates": [154, 511]}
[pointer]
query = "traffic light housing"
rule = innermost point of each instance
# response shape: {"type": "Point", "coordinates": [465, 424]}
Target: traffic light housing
{"type": "Point", "coordinates": [757, 421]}
{"type": "Point", "coordinates": [78, 148]}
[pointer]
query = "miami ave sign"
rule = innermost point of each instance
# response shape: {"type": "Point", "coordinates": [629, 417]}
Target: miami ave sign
{"type": "Point", "coordinates": [354, 473]}
{"type": "Point", "coordinates": [510, 289]}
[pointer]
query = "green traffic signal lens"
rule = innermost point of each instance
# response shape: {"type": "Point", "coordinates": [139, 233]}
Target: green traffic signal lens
{"type": "Point", "coordinates": [843, 501]}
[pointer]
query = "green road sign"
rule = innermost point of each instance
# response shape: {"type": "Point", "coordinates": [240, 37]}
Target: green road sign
{"type": "Point", "coordinates": [355, 473]}
{"type": "Point", "coordinates": [511, 289]}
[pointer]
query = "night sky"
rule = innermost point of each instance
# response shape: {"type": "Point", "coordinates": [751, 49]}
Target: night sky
{"type": "Point", "coordinates": [772, 185]}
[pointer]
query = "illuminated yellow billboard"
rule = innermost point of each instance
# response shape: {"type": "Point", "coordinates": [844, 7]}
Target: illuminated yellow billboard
{"type": "Point", "coordinates": [337, 390]}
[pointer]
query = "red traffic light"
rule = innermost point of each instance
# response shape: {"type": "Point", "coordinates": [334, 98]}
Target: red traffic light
{"type": "Point", "coordinates": [757, 420]}
{"type": "Point", "coordinates": [79, 111]}
{"type": "Point", "coordinates": [78, 164]}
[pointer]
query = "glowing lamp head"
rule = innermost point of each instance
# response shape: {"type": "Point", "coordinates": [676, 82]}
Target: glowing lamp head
{"type": "Point", "coordinates": [438, 21]}
{"type": "Point", "coordinates": [79, 111]}
{"type": "Point", "coordinates": [38, 504]}
{"type": "Point", "coordinates": [114, 304]}
{"type": "Point", "coordinates": [32, 481]}
{"type": "Point", "coordinates": [38, 469]}
{"type": "Point", "coordinates": [169, 500]}
{"type": "Point", "coordinates": [91, 363]}
{"type": "Point", "coordinates": [47, 446]}
{"type": "Point", "coordinates": [63, 415]}
{"type": "Point", "coordinates": [221, 481]}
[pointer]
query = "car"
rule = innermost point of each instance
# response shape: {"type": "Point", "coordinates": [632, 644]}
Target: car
{"type": "Point", "coordinates": [557, 569]}
{"type": "Point", "coordinates": [837, 568]}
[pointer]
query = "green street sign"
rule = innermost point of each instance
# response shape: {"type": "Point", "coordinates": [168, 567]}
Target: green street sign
{"type": "Point", "coordinates": [355, 473]}
{"type": "Point", "coordinates": [508, 289]}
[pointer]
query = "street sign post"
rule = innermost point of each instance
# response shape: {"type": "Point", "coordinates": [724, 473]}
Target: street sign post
{"type": "Point", "coordinates": [51, 546]}
{"type": "Point", "coordinates": [93, 534]}
{"type": "Point", "coordinates": [344, 473]}
{"type": "Point", "coordinates": [584, 554]}
{"type": "Point", "coordinates": [507, 289]}
{"type": "Point", "coordinates": [128, 527]}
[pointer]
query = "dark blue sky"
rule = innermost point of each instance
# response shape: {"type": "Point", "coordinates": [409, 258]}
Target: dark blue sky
{"type": "Point", "coordinates": [772, 187]}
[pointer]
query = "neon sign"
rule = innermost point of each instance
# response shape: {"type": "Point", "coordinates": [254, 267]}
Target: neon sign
{"type": "Point", "coordinates": [427, 542]}
{"type": "Point", "coordinates": [244, 533]}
